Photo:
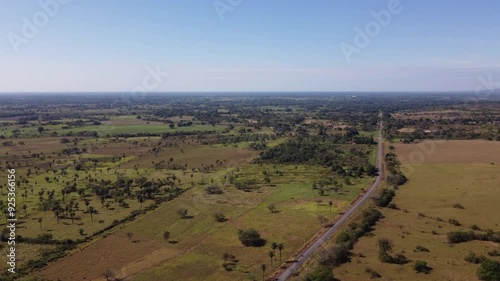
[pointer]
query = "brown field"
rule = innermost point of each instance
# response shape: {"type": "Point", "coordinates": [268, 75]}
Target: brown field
{"type": "Point", "coordinates": [464, 172]}
{"type": "Point", "coordinates": [453, 151]}
{"type": "Point", "coordinates": [113, 251]}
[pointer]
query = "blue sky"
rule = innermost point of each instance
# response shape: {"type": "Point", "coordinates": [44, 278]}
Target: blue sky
{"type": "Point", "coordinates": [255, 45]}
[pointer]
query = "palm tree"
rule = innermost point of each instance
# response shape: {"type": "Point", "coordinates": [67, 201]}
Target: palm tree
{"type": "Point", "coordinates": [91, 211]}
{"type": "Point", "coordinates": [271, 256]}
{"type": "Point", "coordinates": [25, 208]}
{"type": "Point", "coordinates": [274, 246]}
{"type": "Point", "coordinates": [140, 199]}
{"type": "Point", "coordinates": [281, 246]}
{"type": "Point", "coordinates": [263, 267]}
{"type": "Point", "coordinates": [40, 222]}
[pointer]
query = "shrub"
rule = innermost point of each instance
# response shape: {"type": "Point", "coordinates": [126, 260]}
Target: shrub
{"type": "Point", "coordinates": [220, 217]}
{"type": "Point", "coordinates": [454, 222]}
{"type": "Point", "coordinates": [422, 267]}
{"type": "Point", "coordinates": [213, 189]}
{"type": "Point", "coordinates": [458, 206]}
{"type": "Point", "coordinates": [475, 227]}
{"type": "Point", "coordinates": [334, 256]}
{"type": "Point", "coordinates": [472, 258]}
{"type": "Point", "coordinates": [385, 197]}
{"type": "Point", "coordinates": [489, 271]}
{"type": "Point", "coordinates": [494, 253]}
{"type": "Point", "coordinates": [460, 236]}
{"type": "Point", "coordinates": [400, 259]}
{"type": "Point", "coordinates": [373, 273]}
{"type": "Point", "coordinates": [321, 273]}
{"type": "Point", "coordinates": [272, 208]}
{"type": "Point", "coordinates": [422, 249]}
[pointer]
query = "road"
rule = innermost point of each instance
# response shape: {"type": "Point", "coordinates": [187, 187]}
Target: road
{"type": "Point", "coordinates": [307, 253]}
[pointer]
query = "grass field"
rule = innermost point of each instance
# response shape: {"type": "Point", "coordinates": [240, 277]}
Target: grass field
{"type": "Point", "coordinates": [463, 172]}
{"type": "Point", "coordinates": [201, 242]}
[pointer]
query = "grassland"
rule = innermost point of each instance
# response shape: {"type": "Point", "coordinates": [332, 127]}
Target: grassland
{"type": "Point", "coordinates": [201, 242]}
{"type": "Point", "coordinates": [454, 172]}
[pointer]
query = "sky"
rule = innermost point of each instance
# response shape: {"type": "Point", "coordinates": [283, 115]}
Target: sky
{"type": "Point", "coordinates": [248, 45]}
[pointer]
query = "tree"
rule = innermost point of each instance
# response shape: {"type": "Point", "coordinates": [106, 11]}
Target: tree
{"type": "Point", "coordinates": [489, 271]}
{"type": "Point", "coordinates": [334, 256]}
{"type": "Point", "coordinates": [183, 213]}
{"type": "Point", "coordinates": [219, 217]}
{"type": "Point", "coordinates": [385, 247]}
{"type": "Point", "coordinates": [40, 222]}
{"type": "Point", "coordinates": [274, 246]}
{"type": "Point", "coordinates": [250, 237]}
{"type": "Point", "coordinates": [166, 235]}
{"type": "Point", "coordinates": [92, 211]}
{"type": "Point", "coordinates": [25, 208]}
{"type": "Point", "coordinates": [272, 208]}
{"type": "Point", "coordinates": [263, 267]}
{"type": "Point", "coordinates": [140, 198]}
{"type": "Point", "coordinates": [130, 235]}
{"type": "Point", "coordinates": [271, 256]}
{"type": "Point", "coordinates": [281, 246]}
{"type": "Point", "coordinates": [321, 273]}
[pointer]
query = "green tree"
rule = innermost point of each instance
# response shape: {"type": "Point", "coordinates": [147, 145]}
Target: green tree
{"type": "Point", "coordinates": [489, 271]}
{"type": "Point", "coordinates": [271, 256]}
{"type": "Point", "coordinates": [281, 246]}
{"type": "Point", "coordinates": [321, 273]}
{"type": "Point", "coordinates": [263, 267]}
{"type": "Point", "coordinates": [183, 213]}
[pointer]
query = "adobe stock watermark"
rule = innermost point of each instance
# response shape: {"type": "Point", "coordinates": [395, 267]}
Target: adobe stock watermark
{"type": "Point", "coordinates": [32, 26]}
{"type": "Point", "coordinates": [372, 29]}
{"type": "Point", "coordinates": [484, 89]}
{"type": "Point", "coordinates": [151, 81]}
{"type": "Point", "coordinates": [223, 6]}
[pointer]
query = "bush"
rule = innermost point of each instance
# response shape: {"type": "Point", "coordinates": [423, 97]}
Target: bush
{"type": "Point", "coordinates": [213, 189]}
{"type": "Point", "coordinates": [454, 222]}
{"type": "Point", "coordinates": [494, 253]}
{"type": "Point", "coordinates": [385, 197]}
{"type": "Point", "coordinates": [460, 236]}
{"type": "Point", "coordinates": [489, 271]}
{"type": "Point", "coordinates": [400, 259]}
{"type": "Point", "coordinates": [422, 249]}
{"type": "Point", "coordinates": [475, 227]}
{"type": "Point", "coordinates": [458, 206]}
{"type": "Point", "coordinates": [472, 258]}
{"type": "Point", "coordinates": [373, 273]}
{"type": "Point", "coordinates": [321, 273]}
{"type": "Point", "coordinates": [422, 267]}
{"type": "Point", "coordinates": [220, 217]}
{"type": "Point", "coordinates": [334, 256]}
{"type": "Point", "coordinates": [251, 237]}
